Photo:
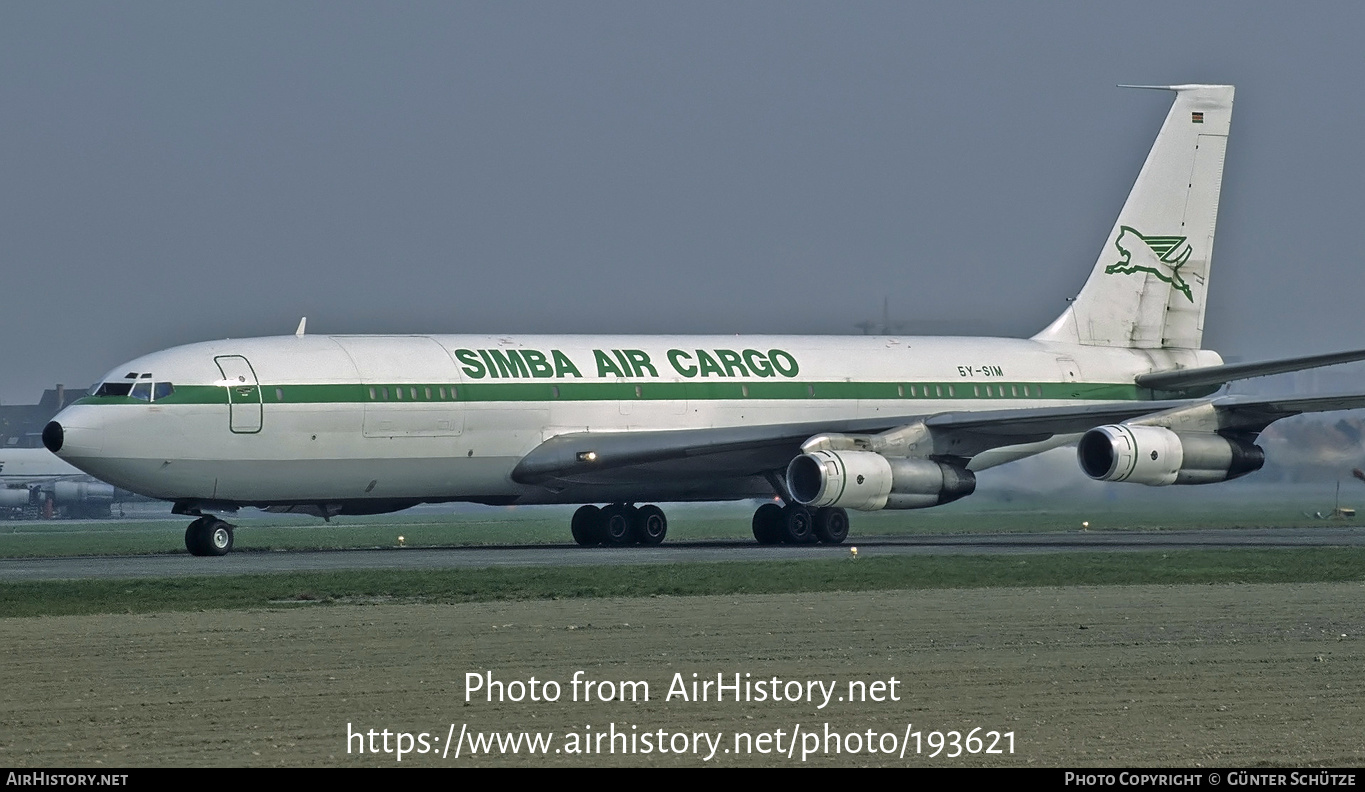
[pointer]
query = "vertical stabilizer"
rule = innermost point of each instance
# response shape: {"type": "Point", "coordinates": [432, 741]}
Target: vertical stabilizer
{"type": "Point", "coordinates": [1148, 288]}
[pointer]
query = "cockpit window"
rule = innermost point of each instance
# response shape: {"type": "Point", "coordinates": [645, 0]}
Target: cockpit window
{"type": "Point", "coordinates": [140, 389]}
{"type": "Point", "coordinates": [113, 389]}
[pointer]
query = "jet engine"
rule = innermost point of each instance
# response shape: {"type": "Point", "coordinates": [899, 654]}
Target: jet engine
{"type": "Point", "coordinates": [1157, 456]}
{"type": "Point", "coordinates": [70, 492]}
{"type": "Point", "coordinates": [868, 481]}
{"type": "Point", "coordinates": [14, 498]}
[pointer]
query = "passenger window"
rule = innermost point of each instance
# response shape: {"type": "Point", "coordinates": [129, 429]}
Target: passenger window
{"type": "Point", "coordinates": [428, 392]}
{"type": "Point", "coordinates": [279, 394]}
{"type": "Point", "coordinates": [161, 390]}
{"type": "Point", "coordinates": [142, 391]}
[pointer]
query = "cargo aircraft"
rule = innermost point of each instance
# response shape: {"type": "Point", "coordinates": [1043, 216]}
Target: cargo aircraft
{"type": "Point", "coordinates": [356, 424]}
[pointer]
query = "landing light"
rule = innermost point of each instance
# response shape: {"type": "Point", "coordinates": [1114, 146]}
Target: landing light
{"type": "Point", "coordinates": [587, 456]}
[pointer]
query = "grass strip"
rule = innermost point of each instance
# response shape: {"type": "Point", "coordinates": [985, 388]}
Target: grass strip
{"type": "Point", "coordinates": [52, 598]}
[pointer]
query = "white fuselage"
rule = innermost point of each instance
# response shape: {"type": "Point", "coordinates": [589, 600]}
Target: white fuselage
{"type": "Point", "coordinates": [317, 419]}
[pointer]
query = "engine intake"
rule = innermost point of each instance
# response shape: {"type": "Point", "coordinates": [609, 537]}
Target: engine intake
{"type": "Point", "coordinates": [868, 481]}
{"type": "Point", "coordinates": [1157, 456]}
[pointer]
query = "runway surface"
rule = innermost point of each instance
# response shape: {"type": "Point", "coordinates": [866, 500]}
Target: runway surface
{"type": "Point", "coordinates": [249, 563]}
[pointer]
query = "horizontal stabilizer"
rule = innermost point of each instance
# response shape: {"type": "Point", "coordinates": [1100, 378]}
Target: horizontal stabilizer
{"type": "Point", "coordinates": [1183, 379]}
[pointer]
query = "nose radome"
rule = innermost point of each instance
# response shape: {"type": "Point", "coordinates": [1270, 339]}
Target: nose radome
{"type": "Point", "coordinates": [53, 436]}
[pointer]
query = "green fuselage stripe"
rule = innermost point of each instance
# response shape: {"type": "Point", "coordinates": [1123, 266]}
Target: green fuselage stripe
{"type": "Point", "coordinates": [558, 390]}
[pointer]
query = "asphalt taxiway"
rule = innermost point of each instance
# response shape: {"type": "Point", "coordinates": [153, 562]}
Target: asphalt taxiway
{"type": "Point", "coordinates": [464, 557]}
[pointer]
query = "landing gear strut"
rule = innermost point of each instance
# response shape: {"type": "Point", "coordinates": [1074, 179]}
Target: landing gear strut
{"type": "Point", "coordinates": [208, 536]}
{"type": "Point", "coordinates": [618, 525]}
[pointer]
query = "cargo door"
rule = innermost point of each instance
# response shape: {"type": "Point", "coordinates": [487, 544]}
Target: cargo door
{"type": "Point", "coordinates": [243, 393]}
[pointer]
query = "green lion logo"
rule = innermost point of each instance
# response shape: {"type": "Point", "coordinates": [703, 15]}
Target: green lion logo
{"type": "Point", "coordinates": [1162, 256]}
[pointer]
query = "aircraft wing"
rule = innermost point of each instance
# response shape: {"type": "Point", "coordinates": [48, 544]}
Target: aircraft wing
{"type": "Point", "coordinates": [1252, 414]}
{"type": "Point", "coordinates": [594, 457]}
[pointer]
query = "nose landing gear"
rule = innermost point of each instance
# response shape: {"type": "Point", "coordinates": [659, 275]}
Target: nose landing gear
{"type": "Point", "coordinates": [208, 536]}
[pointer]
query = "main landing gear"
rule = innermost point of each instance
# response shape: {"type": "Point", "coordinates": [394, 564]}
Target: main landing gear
{"type": "Point", "coordinates": [618, 525]}
{"type": "Point", "coordinates": [797, 524]}
{"type": "Point", "coordinates": [208, 536]}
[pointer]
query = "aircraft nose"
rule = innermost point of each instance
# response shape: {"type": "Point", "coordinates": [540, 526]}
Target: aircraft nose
{"type": "Point", "coordinates": [74, 433]}
{"type": "Point", "coordinates": [53, 436]}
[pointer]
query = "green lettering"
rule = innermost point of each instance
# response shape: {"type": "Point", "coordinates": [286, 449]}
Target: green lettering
{"type": "Point", "coordinates": [621, 358]}
{"type": "Point", "coordinates": [492, 370]}
{"type": "Point", "coordinates": [535, 360]}
{"type": "Point", "coordinates": [639, 362]}
{"type": "Point", "coordinates": [673, 357]}
{"type": "Point", "coordinates": [708, 364]}
{"type": "Point", "coordinates": [758, 364]}
{"type": "Point", "coordinates": [472, 367]}
{"type": "Point", "coordinates": [563, 365]}
{"type": "Point", "coordinates": [783, 362]}
{"type": "Point", "coordinates": [605, 365]}
{"type": "Point", "coordinates": [509, 363]}
{"type": "Point", "coordinates": [730, 359]}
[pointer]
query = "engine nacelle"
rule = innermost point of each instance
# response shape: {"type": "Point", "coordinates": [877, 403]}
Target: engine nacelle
{"type": "Point", "coordinates": [1156, 456]}
{"type": "Point", "coordinates": [69, 492]}
{"type": "Point", "coordinates": [15, 497]}
{"type": "Point", "coordinates": [868, 481]}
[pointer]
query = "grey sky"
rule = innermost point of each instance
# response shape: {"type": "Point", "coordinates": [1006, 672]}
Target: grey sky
{"type": "Point", "coordinates": [175, 172]}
